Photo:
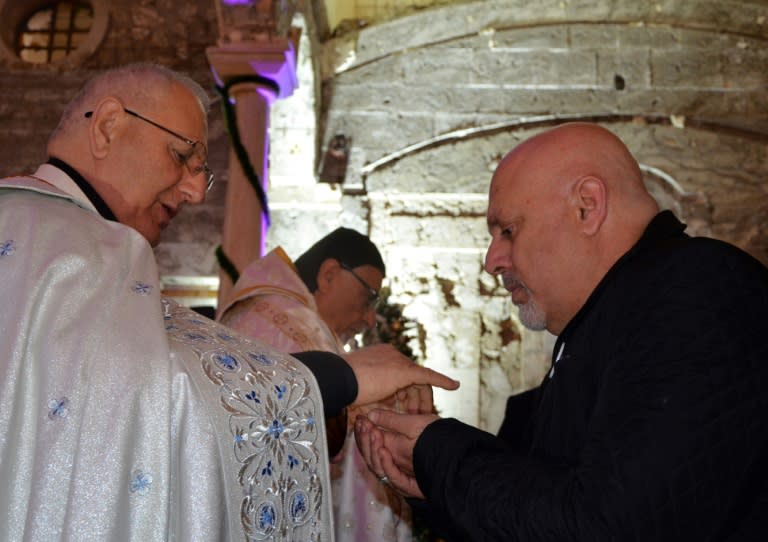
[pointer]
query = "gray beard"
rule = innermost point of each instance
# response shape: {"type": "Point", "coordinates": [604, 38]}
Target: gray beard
{"type": "Point", "coordinates": [531, 316]}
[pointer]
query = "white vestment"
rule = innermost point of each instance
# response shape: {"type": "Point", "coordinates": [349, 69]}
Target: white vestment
{"type": "Point", "coordinates": [271, 303]}
{"type": "Point", "coordinates": [124, 416]}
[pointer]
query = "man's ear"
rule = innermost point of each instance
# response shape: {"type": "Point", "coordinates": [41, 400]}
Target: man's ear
{"type": "Point", "coordinates": [103, 125]}
{"type": "Point", "coordinates": [327, 273]}
{"type": "Point", "coordinates": [590, 200]}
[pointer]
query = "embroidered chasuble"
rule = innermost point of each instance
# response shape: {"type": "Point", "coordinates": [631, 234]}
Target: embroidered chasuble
{"type": "Point", "coordinates": [272, 304]}
{"type": "Point", "coordinates": [124, 416]}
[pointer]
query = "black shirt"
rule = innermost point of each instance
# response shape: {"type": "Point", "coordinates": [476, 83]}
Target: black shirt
{"type": "Point", "coordinates": [654, 425]}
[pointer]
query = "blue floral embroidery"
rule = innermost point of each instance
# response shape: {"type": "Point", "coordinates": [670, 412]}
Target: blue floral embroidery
{"type": "Point", "coordinates": [298, 507]}
{"type": "Point", "coordinates": [57, 408]}
{"type": "Point", "coordinates": [275, 437]}
{"type": "Point", "coordinates": [266, 518]}
{"type": "Point", "coordinates": [261, 358]}
{"type": "Point", "coordinates": [7, 248]}
{"type": "Point", "coordinates": [142, 288]}
{"type": "Point", "coordinates": [276, 429]}
{"type": "Point", "coordinates": [140, 482]}
{"type": "Point", "coordinates": [280, 390]}
{"type": "Point", "coordinates": [292, 461]}
{"type": "Point", "coordinates": [226, 362]}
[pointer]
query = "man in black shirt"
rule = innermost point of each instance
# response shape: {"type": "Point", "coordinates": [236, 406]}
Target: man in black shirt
{"type": "Point", "coordinates": [652, 423]}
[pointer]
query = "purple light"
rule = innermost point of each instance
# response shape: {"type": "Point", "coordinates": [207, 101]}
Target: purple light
{"type": "Point", "coordinates": [237, 2]}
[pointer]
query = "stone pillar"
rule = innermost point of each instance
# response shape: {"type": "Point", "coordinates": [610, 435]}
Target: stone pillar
{"type": "Point", "coordinates": [245, 224]}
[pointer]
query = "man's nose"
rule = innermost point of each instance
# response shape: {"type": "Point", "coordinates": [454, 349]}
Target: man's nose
{"type": "Point", "coordinates": [370, 317]}
{"type": "Point", "coordinates": [194, 186]}
{"type": "Point", "coordinates": [493, 258]}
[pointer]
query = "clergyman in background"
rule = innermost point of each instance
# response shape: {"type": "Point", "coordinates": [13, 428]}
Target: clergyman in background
{"type": "Point", "coordinates": [321, 302]}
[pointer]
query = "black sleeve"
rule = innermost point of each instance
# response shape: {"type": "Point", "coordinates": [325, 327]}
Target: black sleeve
{"type": "Point", "coordinates": [514, 431]}
{"type": "Point", "coordinates": [335, 378]}
{"type": "Point", "coordinates": [516, 427]}
{"type": "Point", "coordinates": [477, 486]}
{"type": "Point", "coordinates": [675, 429]}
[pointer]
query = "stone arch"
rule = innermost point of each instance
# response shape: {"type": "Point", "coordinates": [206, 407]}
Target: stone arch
{"type": "Point", "coordinates": [472, 18]}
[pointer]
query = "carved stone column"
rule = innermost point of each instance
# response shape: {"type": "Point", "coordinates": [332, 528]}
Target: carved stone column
{"type": "Point", "coordinates": [250, 46]}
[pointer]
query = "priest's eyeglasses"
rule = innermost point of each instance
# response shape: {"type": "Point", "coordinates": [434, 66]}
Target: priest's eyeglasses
{"type": "Point", "coordinates": [373, 295]}
{"type": "Point", "coordinates": [195, 161]}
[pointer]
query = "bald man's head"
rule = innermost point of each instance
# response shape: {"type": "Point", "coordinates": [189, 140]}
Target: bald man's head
{"type": "Point", "coordinates": [563, 207]}
{"type": "Point", "coordinates": [574, 150]}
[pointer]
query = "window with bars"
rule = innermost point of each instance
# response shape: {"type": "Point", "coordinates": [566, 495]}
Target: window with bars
{"type": "Point", "coordinates": [53, 31]}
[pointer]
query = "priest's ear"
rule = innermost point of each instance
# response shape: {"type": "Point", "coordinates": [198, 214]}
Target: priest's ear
{"type": "Point", "coordinates": [327, 274]}
{"type": "Point", "coordinates": [589, 204]}
{"type": "Point", "coordinates": [102, 128]}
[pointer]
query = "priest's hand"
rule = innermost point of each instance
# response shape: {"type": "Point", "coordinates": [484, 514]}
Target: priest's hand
{"type": "Point", "coordinates": [386, 441]}
{"type": "Point", "coordinates": [382, 371]}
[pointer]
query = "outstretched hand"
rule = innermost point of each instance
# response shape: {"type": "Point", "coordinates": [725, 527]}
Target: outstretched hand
{"type": "Point", "coordinates": [386, 440]}
{"type": "Point", "coordinates": [382, 371]}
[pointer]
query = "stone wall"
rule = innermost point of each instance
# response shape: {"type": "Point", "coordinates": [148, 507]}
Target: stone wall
{"type": "Point", "coordinates": [431, 100]}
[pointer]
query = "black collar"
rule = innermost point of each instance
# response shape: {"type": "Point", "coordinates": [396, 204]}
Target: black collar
{"type": "Point", "coordinates": [663, 226]}
{"type": "Point", "coordinates": [88, 190]}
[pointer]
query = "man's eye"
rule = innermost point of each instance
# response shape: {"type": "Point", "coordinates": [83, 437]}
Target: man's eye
{"type": "Point", "coordinates": [181, 157]}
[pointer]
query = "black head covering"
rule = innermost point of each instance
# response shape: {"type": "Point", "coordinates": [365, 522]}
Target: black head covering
{"type": "Point", "coordinates": [343, 244]}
